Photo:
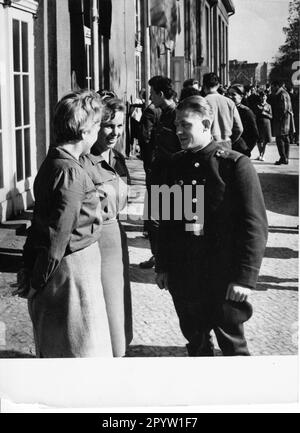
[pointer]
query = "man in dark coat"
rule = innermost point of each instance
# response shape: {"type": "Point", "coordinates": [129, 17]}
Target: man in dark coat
{"type": "Point", "coordinates": [162, 96]}
{"type": "Point", "coordinates": [209, 257]}
{"type": "Point", "coordinates": [282, 116]}
{"type": "Point", "coordinates": [250, 136]}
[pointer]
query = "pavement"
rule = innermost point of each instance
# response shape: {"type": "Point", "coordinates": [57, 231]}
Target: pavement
{"type": "Point", "coordinates": [273, 329]}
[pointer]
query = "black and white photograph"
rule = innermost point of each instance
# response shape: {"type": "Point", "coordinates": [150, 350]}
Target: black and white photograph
{"type": "Point", "coordinates": [149, 169]}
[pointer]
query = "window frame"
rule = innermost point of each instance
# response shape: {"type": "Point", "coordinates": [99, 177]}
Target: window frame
{"type": "Point", "coordinates": [25, 183]}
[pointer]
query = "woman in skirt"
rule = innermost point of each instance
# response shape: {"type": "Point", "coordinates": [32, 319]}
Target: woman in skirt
{"type": "Point", "coordinates": [106, 166]}
{"type": "Point", "coordinates": [61, 254]}
{"type": "Point", "coordinates": [263, 118]}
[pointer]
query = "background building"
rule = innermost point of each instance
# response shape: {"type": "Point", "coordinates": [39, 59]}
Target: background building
{"type": "Point", "coordinates": [48, 47]}
{"type": "Point", "coordinates": [249, 73]}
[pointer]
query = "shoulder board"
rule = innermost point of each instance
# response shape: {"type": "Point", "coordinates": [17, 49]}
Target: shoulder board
{"type": "Point", "coordinates": [231, 155]}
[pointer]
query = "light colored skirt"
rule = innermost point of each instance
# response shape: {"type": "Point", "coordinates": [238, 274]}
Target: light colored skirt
{"type": "Point", "coordinates": [116, 284]}
{"type": "Point", "coordinates": [69, 314]}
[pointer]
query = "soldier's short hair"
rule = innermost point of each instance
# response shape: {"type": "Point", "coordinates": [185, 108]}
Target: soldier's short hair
{"type": "Point", "coordinates": [198, 104]}
{"type": "Point", "coordinates": [74, 113]}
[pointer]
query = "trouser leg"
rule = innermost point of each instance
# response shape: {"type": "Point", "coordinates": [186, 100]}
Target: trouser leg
{"type": "Point", "coordinates": [152, 227]}
{"type": "Point", "coordinates": [231, 339]}
{"type": "Point", "coordinates": [192, 327]}
{"type": "Point", "coordinates": [286, 140]}
{"type": "Point", "coordinates": [280, 147]}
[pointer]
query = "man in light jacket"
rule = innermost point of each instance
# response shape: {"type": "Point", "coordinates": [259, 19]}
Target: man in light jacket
{"type": "Point", "coordinates": [227, 125]}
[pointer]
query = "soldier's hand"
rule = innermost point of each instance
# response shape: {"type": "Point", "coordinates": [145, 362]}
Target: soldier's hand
{"type": "Point", "coordinates": [237, 293]}
{"type": "Point", "coordinates": [162, 280]}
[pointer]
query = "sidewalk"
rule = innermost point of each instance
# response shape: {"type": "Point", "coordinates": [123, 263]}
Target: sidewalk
{"type": "Point", "coordinates": [273, 327]}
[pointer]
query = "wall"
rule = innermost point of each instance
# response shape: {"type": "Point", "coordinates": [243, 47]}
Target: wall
{"type": "Point", "coordinates": [121, 49]}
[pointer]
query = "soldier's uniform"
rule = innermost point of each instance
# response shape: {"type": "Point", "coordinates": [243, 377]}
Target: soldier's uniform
{"type": "Point", "coordinates": [202, 259]}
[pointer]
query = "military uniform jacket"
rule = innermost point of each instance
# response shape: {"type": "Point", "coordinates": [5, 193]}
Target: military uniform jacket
{"type": "Point", "coordinates": [232, 241]}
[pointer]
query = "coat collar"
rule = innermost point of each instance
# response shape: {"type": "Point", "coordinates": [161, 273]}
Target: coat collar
{"type": "Point", "coordinates": [60, 153]}
{"type": "Point", "coordinates": [205, 153]}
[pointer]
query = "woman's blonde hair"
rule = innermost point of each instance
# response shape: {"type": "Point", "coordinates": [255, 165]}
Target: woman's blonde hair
{"type": "Point", "coordinates": [74, 112]}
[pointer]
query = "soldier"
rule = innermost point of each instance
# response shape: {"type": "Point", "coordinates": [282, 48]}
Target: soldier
{"type": "Point", "coordinates": [210, 265]}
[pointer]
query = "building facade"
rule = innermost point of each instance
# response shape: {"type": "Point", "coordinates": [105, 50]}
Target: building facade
{"type": "Point", "coordinates": [246, 73]}
{"type": "Point", "coordinates": [48, 47]}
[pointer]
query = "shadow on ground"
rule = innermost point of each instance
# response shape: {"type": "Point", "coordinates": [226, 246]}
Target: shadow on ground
{"type": "Point", "coordinates": [10, 263]}
{"type": "Point", "coordinates": [280, 253]}
{"type": "Point", "coordinates": [284, 230]}
{"type": "Point", "coordinates": [143, 276]}
{"type": "Point", "coordinates": [141, 351]}
{"type": "Point", "coordinates": [282, 199]}
{"type": "Point", "coordinates": [267, 282]}
{"type": "Point", "coordinates": [14, 354]}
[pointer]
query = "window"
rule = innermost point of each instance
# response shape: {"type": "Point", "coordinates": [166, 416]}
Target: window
{"type": "Point", "coordinates": [207, 36]}
{"type": "Point", "coordinates": [88, 57]}
{"type": "Point", "coordinates": [21, 98]}
{"type": "Point", "coordinates": [138, 22]}
{"type": "Point", "coordinates": [138, 73]}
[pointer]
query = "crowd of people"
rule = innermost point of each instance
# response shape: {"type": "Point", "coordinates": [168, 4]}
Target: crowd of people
{"type": "Point", "coordinates": [76, 263]}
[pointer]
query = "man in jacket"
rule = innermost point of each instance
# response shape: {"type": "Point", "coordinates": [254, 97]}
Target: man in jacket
{"type": "Point", "coordinates": [226, 123]}
{"type": "Point", "coordinates": [209, 259]}
{"type": "Point", "coordinates": [282, 113]}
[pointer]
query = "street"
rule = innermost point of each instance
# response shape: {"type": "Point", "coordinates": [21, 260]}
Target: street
{"type": "Point", "coordinates": [271, 331]}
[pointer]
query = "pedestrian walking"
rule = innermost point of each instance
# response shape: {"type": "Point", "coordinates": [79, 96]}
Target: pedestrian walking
{"type": "Point", "coordinates": [263, 117]}
{"type": "Point", "coordinates": [226, 124]}
{"type": "Point", "coordinates": [211, 265]}
{"type": "Point", "coordinates": [281, 126]}
{"type": "Point", "coordinates": [250, 133]}
{"type": "Point", "coordinates": [61, 253]}
{"type": "Point", "coordinates": [108, 170]}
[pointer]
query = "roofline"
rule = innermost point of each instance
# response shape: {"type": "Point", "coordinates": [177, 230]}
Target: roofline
{"type": "Point", "coordinates": [229, 6]}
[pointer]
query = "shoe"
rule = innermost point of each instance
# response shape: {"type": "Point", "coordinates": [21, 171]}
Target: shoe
{"type": "Point", "coordinates": [278, 162]}
{"type": "Point", "coordinates": [148, 264]}
{"type": "Point", "coordinates": [261, 158]}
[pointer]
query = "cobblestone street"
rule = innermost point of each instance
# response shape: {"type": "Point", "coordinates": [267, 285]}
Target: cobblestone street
{"type": "Point", "coordinates": [273, 327]}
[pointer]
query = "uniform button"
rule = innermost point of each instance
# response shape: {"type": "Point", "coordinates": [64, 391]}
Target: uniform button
{"type": "Point", "coordinates": [197, 164]}
{"type": "Point", "coordinates": [194, 182]}
{"type": "Point", "coordinates": [195, 218]}
{"type": "Point", "coordinates": [194, 200]}
{"type": "Point", "coordinates": [180, 182]}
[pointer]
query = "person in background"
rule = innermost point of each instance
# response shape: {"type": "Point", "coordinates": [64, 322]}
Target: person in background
{"type": "Point", "coordinates": [226, 124]}
{"type": "Point", "coordinates": [281, 125]}
{"type": "Point", "coordinates": [264, 117]}
{"type": "Point", "coordinates": [210, 265]}
{"type": "Point", "coordinates": [162, 96]}
{"type": "Point", "coordinates": [148, 123]}
{"type": "Point", "coordinates": [61, 253]}
{"type": "Point", "coordinates": [252, 99]}
{"type": "Point", "coordinates": [250, 133]}
{"type": "Point", "coordinates": [191, 82]}
{"type": "Point", "coordinates": [189, 91]}
{"type": "Point", "coordinates": [108, 170]}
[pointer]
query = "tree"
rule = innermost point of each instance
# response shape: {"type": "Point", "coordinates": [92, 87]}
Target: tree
{"type": "Point", "coordinates": [289, 51]}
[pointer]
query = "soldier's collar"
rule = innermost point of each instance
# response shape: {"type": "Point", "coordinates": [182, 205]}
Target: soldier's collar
{"type": "Point", "coordinates": [203, 151]}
